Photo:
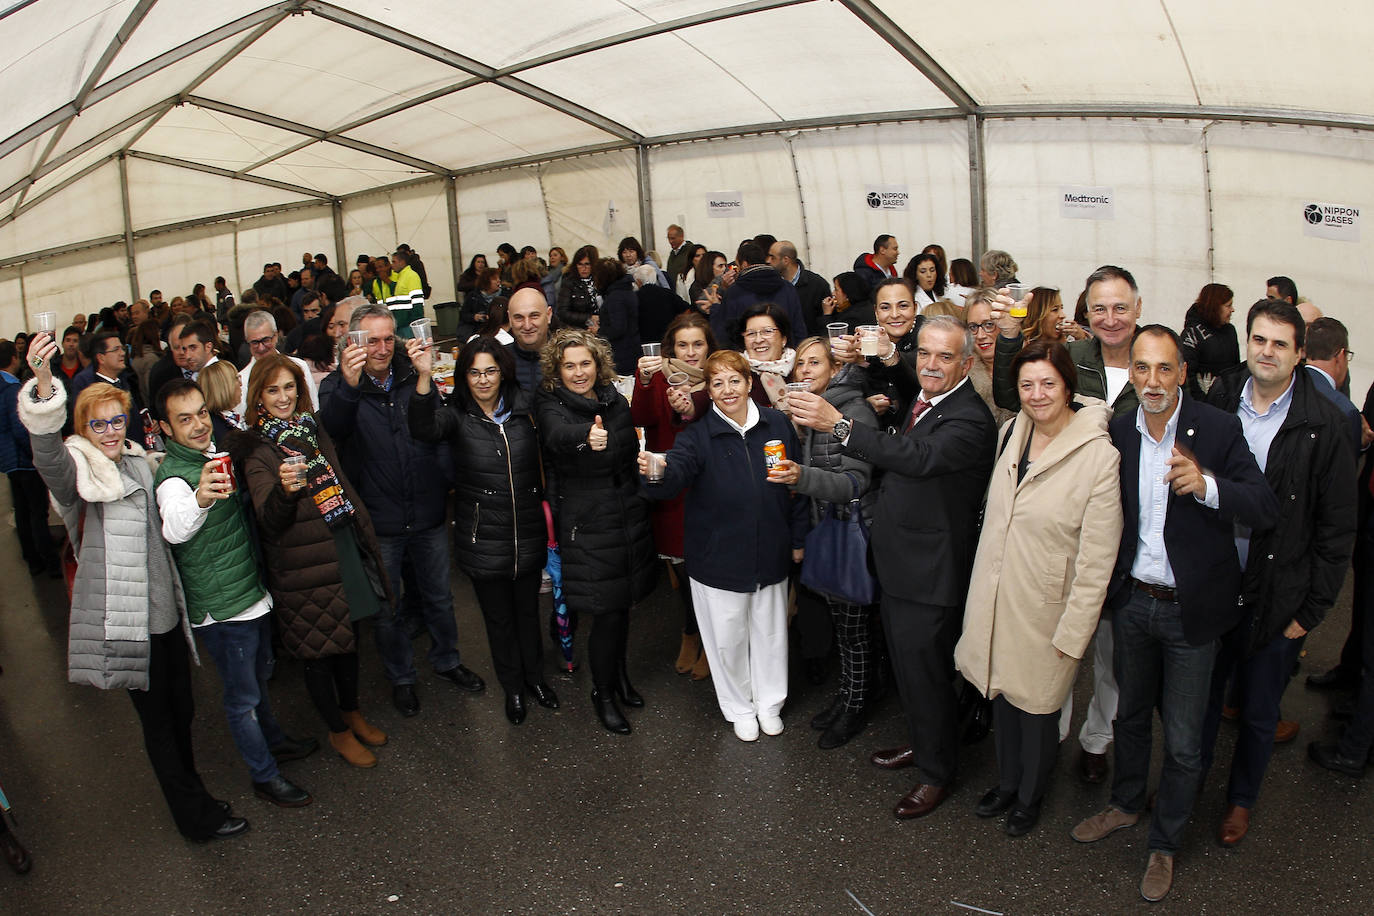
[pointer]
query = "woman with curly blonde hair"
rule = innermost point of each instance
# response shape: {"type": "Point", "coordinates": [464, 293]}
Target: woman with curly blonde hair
{"type": "Point", "coordinates": [602, 520]}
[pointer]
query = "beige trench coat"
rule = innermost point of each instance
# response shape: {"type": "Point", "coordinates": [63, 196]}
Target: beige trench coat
{"type": "Point", "coordinates": [1044, 560]}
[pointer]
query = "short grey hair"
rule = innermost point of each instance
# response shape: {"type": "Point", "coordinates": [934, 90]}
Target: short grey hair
{"type": "Point", "coordinates": [259, 318]}
{"type": "Point", "coordinates": [999, 263]}
{"type": "Point", "coordinates": [370, 310]}
{"type": "Point", "coordinates": [950, 323]}
{"type": "Point", "coordinates": [645, 274]}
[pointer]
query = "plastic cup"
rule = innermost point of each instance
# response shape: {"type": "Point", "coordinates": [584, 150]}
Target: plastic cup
{"type": "Point", "coordinates": [869, 335]}
{"type": "Point", "coordinates": [795, 388]}
{"type": "Point", "coordinates": [422, 331]}
{"type": "Point", "coordinates": [656, 465]}
{"type": "Point", "coordinates": [46, 321]}
{"type": "Point", "coordinates": [652, 349]}
{"type": "Point", "coordinates": [679, 380]}
{"type": "Point", "coordinates": [1019, 293]}
{"type": "Point", "coordinates": [298, 462]}
{"type": "Point", "coordinates": [358, 339]}
{"type": "Point", "coordinates": [836, 329]}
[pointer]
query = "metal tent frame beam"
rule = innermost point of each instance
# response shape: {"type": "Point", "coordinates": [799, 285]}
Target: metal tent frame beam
{"type": "Point", "coordinates": [915, 55]}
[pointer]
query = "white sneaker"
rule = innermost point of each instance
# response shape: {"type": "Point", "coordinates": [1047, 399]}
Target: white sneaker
{"type": "Point", "coordinates": [771, 725]}
{"type": "Point", "coordinates": [747, 729]}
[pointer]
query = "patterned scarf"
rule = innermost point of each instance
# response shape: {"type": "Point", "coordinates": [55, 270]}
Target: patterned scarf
{"type": "Point", "coordinates": [695, 373]}
{"type": "Point", "coordinates": [297, 437]}
{"type": "Point", "coordinates": [773, 373]}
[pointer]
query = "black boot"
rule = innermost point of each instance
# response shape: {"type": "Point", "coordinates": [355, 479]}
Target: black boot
{"type": "Point", "coordinates": [846, 725]}
{"type": "Point", "coordinates": [826, 717]}
{"type": "Point", "coordinates": [609, 713]}
{"type": "Point", "coordinates": [625, 691]}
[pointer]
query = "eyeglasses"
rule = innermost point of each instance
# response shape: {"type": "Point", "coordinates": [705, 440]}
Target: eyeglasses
{"type": "Point", "coordinates": [1350, 355]}
{"type": "Point", "coordinates": [976, 326]}
{"type": "Point", "coordinates": [263, 341]}
{"type": "Point", "coordinates": [760, 334]}
{"type": "Point", "coordinates": [115, 423]}
{"type": "Point", "coordinates": [493, 372]}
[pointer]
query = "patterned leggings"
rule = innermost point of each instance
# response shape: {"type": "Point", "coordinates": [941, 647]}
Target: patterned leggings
{"type": "Point", "coordinates": [856, 652]}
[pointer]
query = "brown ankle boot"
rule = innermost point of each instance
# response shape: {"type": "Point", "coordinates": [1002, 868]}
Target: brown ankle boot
{"type": "Point", "coordinates": [702, 669]}
{"type": "Point", "coordinates": [370, 735]}
{"type": "Point", "coordinates": [687, 655]}
{"type": "Point", "coordinates": [349, 749]}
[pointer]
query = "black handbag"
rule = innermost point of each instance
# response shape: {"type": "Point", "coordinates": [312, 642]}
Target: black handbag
{"type": "Point", "coordinates": [836, 560]}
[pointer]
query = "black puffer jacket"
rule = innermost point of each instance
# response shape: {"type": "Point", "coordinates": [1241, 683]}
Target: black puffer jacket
{"type": "Point", "coordinates": [403, 482]}
{"type": "Point", "coordinates": [602, 520]}
{"type": "Point", "coordinates": [499, 530]}
{"type": "Point", "coordinates": [829, 475]}
{"type": "Point", "coordinates": [577, 302]}
{"type": "Point", "coordinates": [1295, 569]}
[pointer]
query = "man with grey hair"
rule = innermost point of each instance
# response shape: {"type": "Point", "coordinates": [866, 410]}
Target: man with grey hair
{"type": "Point", "coordinates": [925, 534]}
{"type": "Point", "coordinates": [680, 250]}
{"type": "Point", "coordinates": [260, 332]}
{"type": "Point", "coordinates": [404, 483]}
{"type": "Point", "coordinates": [811, 288]}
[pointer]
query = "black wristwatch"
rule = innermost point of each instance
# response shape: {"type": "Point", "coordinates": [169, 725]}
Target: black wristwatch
{"type": "Point", "coordinates": [841, 429]}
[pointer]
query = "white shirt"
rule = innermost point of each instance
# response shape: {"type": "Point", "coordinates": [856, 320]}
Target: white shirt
{"type": "Point", "coordinates": [935, 400]}
{"type": "Point", "coordinates": [751, 419]}
{"type": "Point", "coordinates": [1151, 564]}
{"type": "Point", "coordinates": [922, 299]}
{"type": "Point", "coordinates": [242, 408]}
{"type": "Point", "coordinates": [1117, 379]}
{"type": "Point", "coordinates": [182, 518]}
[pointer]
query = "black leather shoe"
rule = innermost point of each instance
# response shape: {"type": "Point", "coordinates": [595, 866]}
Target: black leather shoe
{"type": "Point", "coordinates": [1021, 820]}
{"type": "Point", "coordinates": [1330, 756]}
{"type": "Point", "coordinates": [609, 713]}
{"type": "Point", "coordinates": [893, 758]}
{"type": "Point", "coordinates": [846, 725]}
{"type": "Point", "coordinates": [515, 708]}
{"type": "Point", "coordinates": [294, 749]}
{"type": "Point", "coordinates": [1336, 678]}
{"type": "Point", "coordinates": [625, 691]}
{"type": "Point", "coordinates": [232, 827]}
{"type": "Point", "coordinates": [14, 852]}
{"type": "Point", "coordinates": [282, 792]}
{"type": "Point", "coordinates": [544, 695]}
{"type": "Point", "coordinates": [224, 806]}
{"type": "Point", "coordinates": [464, 678]}
{"type": "Point", "coordinates": [404, 699]}
{"type": "Point", "coordinates": [826, 717]}
{"type": "Point", "coordinates": [994, 802]}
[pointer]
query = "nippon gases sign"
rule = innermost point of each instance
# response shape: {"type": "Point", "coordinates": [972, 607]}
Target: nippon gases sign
{"type": "Point", "coordinates": [886, 197]}
{"type": "Point", "coordinates": [1340, 222]}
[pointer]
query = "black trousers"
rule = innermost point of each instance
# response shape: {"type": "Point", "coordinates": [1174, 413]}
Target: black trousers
{"type": "Point", "coordinates": [606, 647]}
{"type": "Point", "coordinates": [166, 709]}
{"type": "Point", "coordinates": [510, 608]}
{"type": "Point", "coordinates": [332, 683]}
{"type": "Point", "coordinates": [1027, 744]}
{"type": "Point", "coordinates": [814, 628]}
{"type": "Point", "coordinates": [921, 638]}
{"type": "Point", "coordinates": [30, 498]}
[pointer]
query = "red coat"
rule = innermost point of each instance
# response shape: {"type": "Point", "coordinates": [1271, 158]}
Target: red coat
{"type": "Point", "coordinates": [661, 424]}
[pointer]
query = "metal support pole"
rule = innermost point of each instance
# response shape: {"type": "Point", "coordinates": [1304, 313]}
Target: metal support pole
{"type": "Point", "coordinates": [128, 227]}
{"type": "Point", "coordinates": [646, 205]}
{"type": "Point", "coordinates": [801, 199]}
{"type": "Point", "coordinates": [455, 243]}
{"type": "Point", "coordinates": [977, 187]}
{"type": "Point", "coordinates": [1207, 191]}
{"type": "Point", "coordinates": [340, 252]}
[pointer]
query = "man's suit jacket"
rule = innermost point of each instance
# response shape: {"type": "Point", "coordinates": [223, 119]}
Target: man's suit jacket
{"type": "Point", "coordinates": [1343, 403]}
{"type": "Point", "coordinates": [925, 522]}
{"type": "Point", "coordinates": [1200, 542]}
{"type": "Point", "coordinates": [677, 260]}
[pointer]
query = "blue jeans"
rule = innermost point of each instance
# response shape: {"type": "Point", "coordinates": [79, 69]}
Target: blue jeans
{"type": "Point", "coordinates": [1154, 663]}
{"type": "Point", "coordinates": [1261, 679]}
{"type": "Point", "coordinates": [243, 654]}
{"type": "Point", "coordinates": [428, 554]}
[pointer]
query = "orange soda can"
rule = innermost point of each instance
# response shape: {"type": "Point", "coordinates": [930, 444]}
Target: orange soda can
{"type": "Point", "coordinates": [773, 452]}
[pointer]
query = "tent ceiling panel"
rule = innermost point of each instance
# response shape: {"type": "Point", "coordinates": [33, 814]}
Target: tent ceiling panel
{"type": "Point", "coordinates": [215, 138]}
{"type": "Point", "coordinates": [65, 218]}
{"type": "Point", "coordinates": [485, 123]}
{"type": "Point", "coordinates": [18, 164]}
{"type": "Point", "coordinates": [168, 26]}
{"type": "Point", "coordinates": [559, 25]}
{"type": "Point", "coordinates": [71, 167]}
{"type": "Point", "coordinates": [335, 169]}
{"type": "Point", "coordinates": [50, 49]}
{"type": "Point", "coordinates": [335, 74]}
{"type": "Point", "coordinates": [160, 194]}
{"type": "Point", "coordinates": [1069, 51]}
{"type": "Point", "coordinates": [1225, 41]}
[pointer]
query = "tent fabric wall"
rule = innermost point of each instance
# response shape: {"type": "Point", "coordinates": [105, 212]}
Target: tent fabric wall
{"type": "Point", "coordinates": [65, 218]}
{"type": "Point", "coordinates": [593, 200]}
{"type": "Point", "coordinates": [280, 237]}
{"type": "Point", "coordinates": [175, 262]}
{"type": "Point", "coordinates": [375, 224]}
{"type": "Point", "coordinates": [513, 194]}
{"type": "Point", "coordinates": [84, 282]}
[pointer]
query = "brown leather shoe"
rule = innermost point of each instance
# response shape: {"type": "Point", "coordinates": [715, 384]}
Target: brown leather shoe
{"type": "Point", "coordinates": [1159, 877]}
{"type": "Point", "coordinates": [349, 749]}
{"type": "Point", "coordinates": [920, 801]}
{"type": "Point", "coordinates": [687, 653]}
{"type": "Point", "coordinates": [894, 758]}
{"type": "Point", "coordinates": [1092, 768]}
{"type": "Point", "coordinates": [1285, 731]}
{"type": "Point", "coordinates": [1234, 825]}
{"type": "Point", "coordinates": [370, 735]}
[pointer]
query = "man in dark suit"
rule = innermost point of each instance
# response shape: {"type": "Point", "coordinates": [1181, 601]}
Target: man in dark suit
{"type": "Point", "coordinates": [812, 290]}
{"type": "Point", "coordinates": [1187, 476]}
{"type": "Point", "coordinates": [1328, 362]}
{"type": "Point", "coordinates": [925, 533]}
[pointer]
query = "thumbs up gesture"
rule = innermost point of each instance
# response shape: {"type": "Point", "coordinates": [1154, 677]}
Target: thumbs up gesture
{"type": "Point", "coordinates": [596, 438]}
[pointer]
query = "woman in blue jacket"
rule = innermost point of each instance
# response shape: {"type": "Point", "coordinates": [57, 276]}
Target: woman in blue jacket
{"type": "Point", "coordinates": [740, 593]}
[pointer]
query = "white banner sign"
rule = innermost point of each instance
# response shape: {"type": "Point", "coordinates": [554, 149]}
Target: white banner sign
{"type": "Point", "coordinates": [1331, 221]}
{"type": "Point", "coordinates": [724, 204]}
{"type": "Point", "coordinates": [1076, 202]}
{"type": "Point", "coordinates": [497, 221]}
{"type": "Point", "coordinates": [886, 197]}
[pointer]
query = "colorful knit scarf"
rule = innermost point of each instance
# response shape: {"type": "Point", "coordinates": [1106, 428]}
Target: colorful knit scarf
{"type": "Point", "coordinates": [297, 437]}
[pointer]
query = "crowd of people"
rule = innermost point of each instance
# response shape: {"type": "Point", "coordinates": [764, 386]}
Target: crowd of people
{"type": "Point", "coordinates": [955, 484]}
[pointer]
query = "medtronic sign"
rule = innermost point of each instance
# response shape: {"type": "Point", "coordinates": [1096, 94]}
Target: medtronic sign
{"type": "Point", "coordinates": [724, 204]}
{"type": "Point", "coordinates": [1086, 203]}
{"type": "Point", "coordinates": [1331, 221]}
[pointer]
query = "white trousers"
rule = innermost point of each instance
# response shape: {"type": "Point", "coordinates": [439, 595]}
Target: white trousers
{"type": "Point", "coordinates": [744, 637]}
{"type": "Point", "coordinates": [1096, 733]}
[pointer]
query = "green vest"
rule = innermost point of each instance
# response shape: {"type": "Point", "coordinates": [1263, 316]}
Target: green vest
{"type": "Point", "coordinates": [218, 570]}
